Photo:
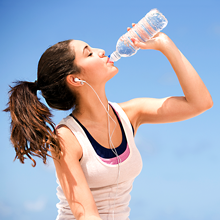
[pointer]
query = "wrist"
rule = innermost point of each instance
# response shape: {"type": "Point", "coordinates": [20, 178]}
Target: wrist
{"type": "Point", "coordinates": [166, 46]}
{"type": "Point", "coordinates": [163, 42]}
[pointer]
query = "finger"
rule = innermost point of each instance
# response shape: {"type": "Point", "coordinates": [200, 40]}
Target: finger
{"type": "Point", "coordinates": [139, 44]}
{"type": "Point", "coordinates": [135, 41]}
{"type": "Point", "coordinates": [128, 28]}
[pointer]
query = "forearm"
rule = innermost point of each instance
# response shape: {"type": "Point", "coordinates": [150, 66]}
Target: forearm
{"type": "Point", "coordinates": [192, 85]}
{"type": "Point", "coordinates": [171, 109]}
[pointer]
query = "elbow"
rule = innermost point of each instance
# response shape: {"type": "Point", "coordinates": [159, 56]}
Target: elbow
{"type": "Point", "coordinates": [206, 105]}
{"type": "Point", "coordinates": [202, 106]}
{"type": "Point", "coordinates": [209, 103]}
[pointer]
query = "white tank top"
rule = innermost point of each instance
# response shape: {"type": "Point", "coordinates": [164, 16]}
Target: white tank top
{"type": "Point", "coordinates": [110, 188]}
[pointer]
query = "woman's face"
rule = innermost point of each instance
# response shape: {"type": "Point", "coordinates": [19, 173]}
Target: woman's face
{"type": "Point", "coordinates": [93, 63]}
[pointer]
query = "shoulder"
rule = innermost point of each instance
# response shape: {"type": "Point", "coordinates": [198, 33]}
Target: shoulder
{"type": "Point", "coordinates": [131, 107]}
{"type": "Point", "coordinates": [140, 110]}
{"type": "Point", "coordinates": [70, 146]}
{"type": "Point", "coordinates": [128, 105]}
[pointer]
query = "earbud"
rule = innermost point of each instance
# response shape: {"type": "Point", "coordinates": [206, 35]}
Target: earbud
{"type": "Point", "coordinates": [79, 80]}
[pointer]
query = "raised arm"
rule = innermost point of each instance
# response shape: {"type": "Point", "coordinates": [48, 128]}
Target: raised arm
{"type": "Point", "coordinates": [197, 98]}
{"type": "Point", "coordinates": [72, 179]}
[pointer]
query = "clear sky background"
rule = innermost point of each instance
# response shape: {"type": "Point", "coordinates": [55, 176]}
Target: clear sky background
{"type": "Point", "coordinates": [180, 178]}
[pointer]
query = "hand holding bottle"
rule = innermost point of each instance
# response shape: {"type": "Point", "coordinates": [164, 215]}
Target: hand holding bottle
{"type": "Point", "coordinates": [146, 29]}
{"type": "Point", "coordinates": [155, 43]}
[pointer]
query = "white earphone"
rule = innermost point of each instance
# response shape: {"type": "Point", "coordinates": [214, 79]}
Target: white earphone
{"type": "Point", "coordinates": [79, 80]}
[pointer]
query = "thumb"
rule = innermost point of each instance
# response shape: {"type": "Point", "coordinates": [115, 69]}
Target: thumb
{"type": "Point", "coordinates": [137, 43]}
{"type": "Point", "coordinates": [149, 44]}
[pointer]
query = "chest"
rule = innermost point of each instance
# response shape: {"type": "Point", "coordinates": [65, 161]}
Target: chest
{"type": "Point", "coordinates": [99, 174]}
{"type": "Point", "coordinates": [103, 135]}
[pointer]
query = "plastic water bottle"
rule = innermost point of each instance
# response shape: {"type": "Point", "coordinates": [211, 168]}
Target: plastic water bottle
{"type": "Point", "coordinates": [146, 28]}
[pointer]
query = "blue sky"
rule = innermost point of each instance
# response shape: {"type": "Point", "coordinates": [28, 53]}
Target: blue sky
{"type": "Point", "coordinates": [180, 179]}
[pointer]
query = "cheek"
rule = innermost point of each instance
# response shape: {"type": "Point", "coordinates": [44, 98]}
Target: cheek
{"type": "Point", "coordinates": [95, 67]}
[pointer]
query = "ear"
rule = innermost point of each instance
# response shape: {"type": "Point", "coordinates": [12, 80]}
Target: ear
{"type": "Point", "coordinates": [71, 82]}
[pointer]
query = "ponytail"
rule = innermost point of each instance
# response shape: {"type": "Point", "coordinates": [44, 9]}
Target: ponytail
{"type": "Point", "coordinates": [32, 130]}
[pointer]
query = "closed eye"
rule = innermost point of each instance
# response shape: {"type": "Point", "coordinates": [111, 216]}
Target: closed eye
{"type": "Point", "coordinates": [90, 54]}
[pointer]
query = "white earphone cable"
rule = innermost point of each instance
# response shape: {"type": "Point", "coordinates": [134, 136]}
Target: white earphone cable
{"type": "Point", "coordinates": [118, 158]}
{"type": "Point", "coordinates": [110, 141]}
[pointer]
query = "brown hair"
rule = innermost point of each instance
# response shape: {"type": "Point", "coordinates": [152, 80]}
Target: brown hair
{"type": "Point", "coordinates": [32, 130]}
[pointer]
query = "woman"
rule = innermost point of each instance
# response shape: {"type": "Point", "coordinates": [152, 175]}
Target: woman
{"type": "Point", "coordinates": [93, 148]}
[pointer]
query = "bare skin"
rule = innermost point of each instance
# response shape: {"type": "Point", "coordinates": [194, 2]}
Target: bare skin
{"type": "Point", "coordinates": [90, 112]}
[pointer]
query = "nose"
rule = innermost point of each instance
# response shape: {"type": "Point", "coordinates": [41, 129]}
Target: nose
{"type": "Point", "coordinates": [101, 53]}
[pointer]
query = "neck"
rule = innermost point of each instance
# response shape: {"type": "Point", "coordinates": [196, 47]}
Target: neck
{"type": "Point", "coordinates": [92, 104]}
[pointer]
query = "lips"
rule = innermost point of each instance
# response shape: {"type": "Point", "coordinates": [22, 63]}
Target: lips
{"type": "Point", "coordinates": [108, 60]}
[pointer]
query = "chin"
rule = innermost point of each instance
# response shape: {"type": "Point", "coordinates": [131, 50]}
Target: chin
{"type": "Point", "coordinates": [116, 70]}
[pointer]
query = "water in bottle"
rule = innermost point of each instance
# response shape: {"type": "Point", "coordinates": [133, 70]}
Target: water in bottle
{"type": "Point", "coordinates": [146, 28]}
